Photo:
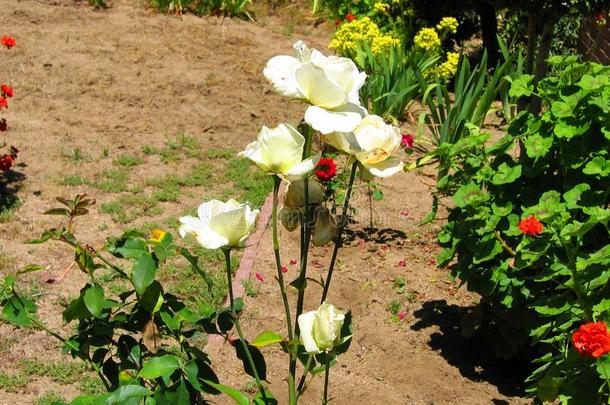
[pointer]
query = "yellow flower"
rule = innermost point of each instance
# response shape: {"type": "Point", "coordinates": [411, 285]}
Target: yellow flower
{"type": "Point", "coordinates": [448, 68]}
{"type": "Point", "coordinates": [382, 7]}
{"type": "Point", "coordinates": [157, 235]}
{"type": "Point", "coordinates": [349, 36]}
{"type": "Point", "coordinates": [448, 24]}
{"type": "Point", "coordinates": [427, 38]}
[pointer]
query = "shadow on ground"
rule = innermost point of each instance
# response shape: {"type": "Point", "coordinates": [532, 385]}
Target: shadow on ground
{"type": "Point", "coordinates": [10, 184]}
{"type": "Point", "coordinates": [472, 357]}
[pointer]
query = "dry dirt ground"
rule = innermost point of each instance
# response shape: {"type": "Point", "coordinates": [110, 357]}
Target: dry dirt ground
{"type": "Point", "coordinates": [92, 86]}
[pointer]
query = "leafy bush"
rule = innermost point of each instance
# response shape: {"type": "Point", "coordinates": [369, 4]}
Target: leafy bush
{"type": "Point", "coordinates": [228, 8]}
{"type": "Point", "coordinates": [528, 230]}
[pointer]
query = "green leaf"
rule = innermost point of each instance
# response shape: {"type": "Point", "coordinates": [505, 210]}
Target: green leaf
{"type": "Point", "coordinates": [593, 83]}
{"type": "Point", "coordinates": [94, 300]}
{"type": "Point", "coordinates": [57, 211]}
{"type": "Point", "coordinates": [561, 109]}
{"type": "Point", "coordinates": [17, 311]}
{"type": "Point", "coordinates": [162, 366]}
{"type": "Point", "coordinates": [572, 196]}
{"type": "Point", "coordinates": [238, 396]}
{"type": "Point", "coordinates": [570, 127]}
{"type": "Point", "coordinates": [506, 174]}
{"type": "Point", "coordinates": [30, 268]}
{"type": "Point", "coordinates": [133, 248]}
{"type": "Point", "coordinates": [128, 394]}
{"type": "Point", "coordinates": [598, 166]}
{"type": "Point", "coordinates": [522, 86]}
{"type": "Point", "coordinates": [469, 194]}
{"type": "Point", "coordinates": [144, 271]}
{"type": "Point", "coordinates": [267, 338]}
{"type": "Point", "coordinates": [257, 358]}
{"type": "Point", "coordinates": [537, 146]}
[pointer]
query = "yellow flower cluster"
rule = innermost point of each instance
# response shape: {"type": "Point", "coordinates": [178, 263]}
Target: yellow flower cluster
{"type": "Point", "coordinates": [448, 68]}
{"type": "Point", "coordinates": [349, 35]}
{"type": "Point", "coordinates": [382, 7]}
{"type": "Point", "coordinates": [448, 24]}
{"type": "Point", "coordinates": [427, 38]}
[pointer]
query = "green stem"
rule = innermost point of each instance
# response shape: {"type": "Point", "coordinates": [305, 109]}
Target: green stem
{"type": "Point", "coordinates": [304, 376]}
{"type": "Point", "coordinates": [342, 224]}
{"type": "Point", "coordinates": [57, 336]}
{"type": "Point", "coordinates": [326, 373]}
{"type": "Point", "coordinates": [227, 253]}
{"type": "Point", "coordinates": [578, 288]}
{"type": "Point", "coordinates": [504, 244]}
{"type": "Point", "coordinates": [280, 276]}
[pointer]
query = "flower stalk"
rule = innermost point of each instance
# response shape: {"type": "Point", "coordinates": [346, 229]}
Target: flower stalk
{"type": "Point", "coordinates": [259, 384]}
{"type": "Point", "coordinates": [342, 224]}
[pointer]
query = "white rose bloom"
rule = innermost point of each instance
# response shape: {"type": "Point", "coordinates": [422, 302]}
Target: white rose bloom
{"type": "Point", "coordinates": [372, 143]}
{"type": "Point", "coordinates": [329, 83]}
{"type": "Point", "coordinates": [220, 224]}
{"type": "Point", "coordinates": [280, 151]}
{"type": "Point", "coordinates": [321, 329]}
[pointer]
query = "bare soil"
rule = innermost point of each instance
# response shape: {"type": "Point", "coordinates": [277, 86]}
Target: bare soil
{"type": "Point", "coordinates": [111, 82]}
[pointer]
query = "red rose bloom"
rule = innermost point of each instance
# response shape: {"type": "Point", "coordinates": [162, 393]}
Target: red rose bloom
{"type": "Point", "coordinates": [3, 102]}
{"type": "Point", "coordinates": [6, 162]}
{"type": "Point", "coordinates": [7, 90]}
{"type": "Point", "coordinates": [9, 42]}
{"type": "Point", "coordinates": [326, 169]}
{"type": "Point", "coordinates": [592, 339]}
{"type": "Point", "coordinates": [407, 141]}
{"type": "Point", "coordinates": [350, 17]}
{"type": "Point", "coordinates": [3, 125]}
{"type": "Point", "coordinates": [531, 226]}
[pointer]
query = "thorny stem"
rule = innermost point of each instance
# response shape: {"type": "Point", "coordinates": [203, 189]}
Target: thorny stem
{"type": "Point", "coordinates": [227, 253]}
{"type": "Point", "coordinates": [326, 373]}
{"type": "Point", "coordinates": [305, 239]}
{"type": "Point", "coordinates": [342, 224]}
{"type": "Point", "coordinates": [280, 277]}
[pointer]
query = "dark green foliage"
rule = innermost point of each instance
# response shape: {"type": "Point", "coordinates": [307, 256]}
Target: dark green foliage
{"type": "Point", "coordinates": [538, 289]}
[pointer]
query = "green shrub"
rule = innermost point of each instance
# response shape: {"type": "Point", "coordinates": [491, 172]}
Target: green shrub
{"type": "Point", "coordinates": [538, 289]}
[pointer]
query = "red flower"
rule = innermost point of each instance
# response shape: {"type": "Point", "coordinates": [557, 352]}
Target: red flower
{"type": "Point", "coordinates": [337, 22]}
{"type": "Point", "coordinates": [326, 169]}
{"type": "Point", "coordinates": [350, 17]}
{"type": "Point", "coordinates": [531, 226]}
{"type": "Point", "coordinates": [6, 90]}
{"type": "Point", "coordinates": [401, 315]}
{"type": "Point", "coordinates": [6, 162]}
{"type": "Point", "coordinates": [402, 263]}
{"type": "Point", "coordinates": [293, 261]}
{"type": "Point", "coordinates": [259, 276]}
{"type": "Point", "coordinates": [284, 269]}
{"type": "Point", "coordinates": [3, 102]}
{"type": "Point", "coordinates": [9, 42]}
{"type": "Point", "coordinates": [407, 141]}
{"type": "Point", "coordinates": [601, 20]}
{"type": "Point", "coordinates": [3, 125]}
{"type": "Point", "coordinates": [592, 339]}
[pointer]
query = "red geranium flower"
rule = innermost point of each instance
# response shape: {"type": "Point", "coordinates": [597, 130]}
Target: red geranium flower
{"type": "Point", "coordinates": [350, 17]}
{"type": "Point", "coordinates": [407, 141]}
{"type": "Point", "coordinates": [3, 102]}
{"type": "Point", "coordinates": [7, 90]}
{"type": "Point", "coordinates": [531, 226]}
{"type": "Point", "coordinates": [592, 339]}
{"type": "Point", "coordinates": [7, 41]}
{"type": "Point", "coordinates": [326, 169]}
{"type": "Point", "coordinates": [6, 162]}
{"type": "Point", "coordinates": [3, 125]}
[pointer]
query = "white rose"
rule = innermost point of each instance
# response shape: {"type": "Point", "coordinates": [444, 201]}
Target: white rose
{"type": "Point", "coordinates": [280, 151]}
{"type": "Point", "coordinates": [220, 224]}
{"type": "Point", "coordinates": [372, 143]}
{"type": "Point", "coordinates": [330, 83]}
{"type": "Point", "coordinates": [321, 329]}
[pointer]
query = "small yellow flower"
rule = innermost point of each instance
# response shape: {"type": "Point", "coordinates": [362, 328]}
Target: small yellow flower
{"type": "Point", "coordinates": [157, 235]}
{"type": "Point", "coordinates": [381, 7]}
{"type": "Point", "coordinates": [358, 32]}
{"type": "Point", "coordinates": [448, 68]}
{"type": "Point", "coordinates": [448, 24]}
{"type": "Point", "coordinates": [427, 38]}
